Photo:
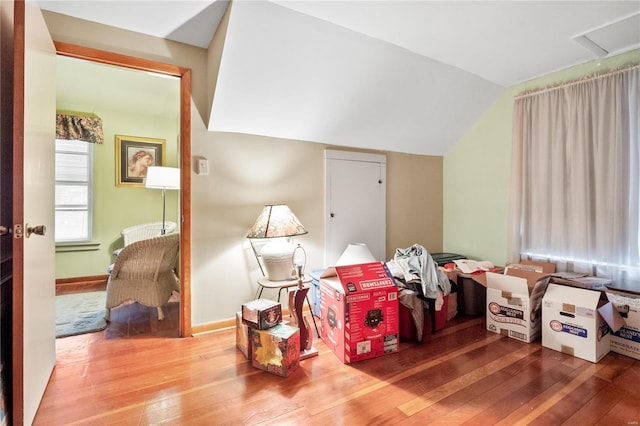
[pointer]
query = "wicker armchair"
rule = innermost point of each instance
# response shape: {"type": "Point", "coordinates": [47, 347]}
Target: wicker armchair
{"type": "Point", "coordinates": [144, 272]}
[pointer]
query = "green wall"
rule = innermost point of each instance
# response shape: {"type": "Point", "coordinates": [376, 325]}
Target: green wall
{"type": "Point", "coordinates": [477, 170]}
{"type": "Point", "coordinates": [116, 207]}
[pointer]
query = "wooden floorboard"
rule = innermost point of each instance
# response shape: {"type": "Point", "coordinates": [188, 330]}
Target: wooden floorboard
{"type": "Point", "coordinates": [138, 372]}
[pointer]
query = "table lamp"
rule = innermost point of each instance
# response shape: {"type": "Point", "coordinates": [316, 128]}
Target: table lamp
{"type": "Point", "coordinates": [276, 221]}
{"type": "Point", "coordinates": [163, 178]}
{"type": "Point", "coordinates": [355, 254]}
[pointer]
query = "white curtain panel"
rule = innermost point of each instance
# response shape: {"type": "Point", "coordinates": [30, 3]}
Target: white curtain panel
{"type": "Point", "coordinates": [575, 174]}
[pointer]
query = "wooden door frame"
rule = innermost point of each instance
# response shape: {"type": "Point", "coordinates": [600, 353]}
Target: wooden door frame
{"type": "Point", "coordinates": [17, 298]}
{"type": "Point", "coordinates": [95, 55]}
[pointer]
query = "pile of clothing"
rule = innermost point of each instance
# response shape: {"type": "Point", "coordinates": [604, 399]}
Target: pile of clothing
{"type": "Point", "coordinates": [419, 280]}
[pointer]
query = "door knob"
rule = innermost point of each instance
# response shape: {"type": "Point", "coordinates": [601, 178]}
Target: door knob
{"type": "Point", "coordinates": [4, 230]}
{"type": "Point", "coordinates": [38, 230]}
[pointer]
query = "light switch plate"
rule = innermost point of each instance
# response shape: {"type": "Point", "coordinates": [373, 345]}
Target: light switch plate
{"type": "Point", "coordinates": [203, 166]}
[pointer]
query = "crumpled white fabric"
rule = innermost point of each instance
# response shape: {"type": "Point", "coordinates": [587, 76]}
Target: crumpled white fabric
{"type": "Point", "coordinates": [419, 262]}
{"type": "Point", "coordinates": [400, 269]}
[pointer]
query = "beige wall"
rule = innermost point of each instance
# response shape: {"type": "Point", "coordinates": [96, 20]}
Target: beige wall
{"type": "Point", "coordinates": [477, 170]}
{"type": "Point", "coordinates": [414, 202]}
{"type": "Point", "coordinates": [247, 172]}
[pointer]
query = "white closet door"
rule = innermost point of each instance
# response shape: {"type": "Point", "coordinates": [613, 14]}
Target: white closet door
{"type": "Point", "coordinates": [355, 203]}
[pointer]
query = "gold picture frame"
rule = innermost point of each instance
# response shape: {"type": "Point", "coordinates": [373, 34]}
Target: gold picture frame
{"type": "Point", "coordinates": [133, 155]}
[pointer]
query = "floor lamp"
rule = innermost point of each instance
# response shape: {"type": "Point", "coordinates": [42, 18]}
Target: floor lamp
{"type": "Point", "coordinates": [163, 178]}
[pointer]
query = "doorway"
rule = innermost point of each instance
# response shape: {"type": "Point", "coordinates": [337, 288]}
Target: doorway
{"type": "Point", "coordinates": [355, 203]}
{"type": "Point", "coordinates": [183, 150]}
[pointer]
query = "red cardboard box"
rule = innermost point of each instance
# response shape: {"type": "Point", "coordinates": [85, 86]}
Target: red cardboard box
{"type": "Point", "coordinates": [276, 350]}
{"type": "Point", "coordinates": [359, 311]}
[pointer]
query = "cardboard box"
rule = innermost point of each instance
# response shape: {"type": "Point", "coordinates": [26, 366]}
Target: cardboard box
{"type": "Point", "coordinates": [576, 321]}
{"type": "Point", "coordinates": [243, 336]}
{"type": "Point", "coordinates": [588, 282]}
{"type": "Point", "coordinates": [514, 302]}
{"type": "Point", "coordinates": [626, 339]}
{"type": "Point", "coordinates": [539, 266]}
{"type": "Point", "coordinates": [276, 350]}
{"type": "Point", "coordinates": [261, 314]}
{"type": "Point", "coordinates": [359, 311]}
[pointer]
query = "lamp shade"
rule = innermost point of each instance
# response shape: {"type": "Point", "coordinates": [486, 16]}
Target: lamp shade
{"type": "Point", "coordinates": [355, 254]}
{"type": "Point", "coordinates": [276, 220]}
{"type": "Point", "coordinates": [163, 178]}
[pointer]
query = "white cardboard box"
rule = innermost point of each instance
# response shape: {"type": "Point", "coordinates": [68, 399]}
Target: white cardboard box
{"type": "Point", "coordinates": [514, 303]}
{"type": "Point", "coordinates": [626, 340]}
{"type": "Point", "coordinates": [576, 321]}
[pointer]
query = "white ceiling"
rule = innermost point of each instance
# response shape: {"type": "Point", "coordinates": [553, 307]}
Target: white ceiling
{"type": "Point", "coordinates": [408, 76]}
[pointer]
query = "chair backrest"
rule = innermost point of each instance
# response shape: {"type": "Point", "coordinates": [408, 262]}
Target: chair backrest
{"type": "Point", "coordinates": [149, 257]}
{"type": "Point", "coordinates": [146, 230]}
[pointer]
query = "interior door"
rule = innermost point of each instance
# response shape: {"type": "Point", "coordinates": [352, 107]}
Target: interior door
{"type": "Point", "coordinates": [355, 203]}
{"type": "Point", "coordinates": [33, 199]}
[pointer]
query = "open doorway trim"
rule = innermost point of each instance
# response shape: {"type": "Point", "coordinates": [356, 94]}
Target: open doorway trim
{"type": "Point", "coordinates": [81, 52]}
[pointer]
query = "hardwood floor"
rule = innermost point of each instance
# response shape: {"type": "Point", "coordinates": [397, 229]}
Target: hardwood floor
{"type": "Point", "coordinates": [461, 375]}
{"type": "Point", "coordinates": [135, 320]}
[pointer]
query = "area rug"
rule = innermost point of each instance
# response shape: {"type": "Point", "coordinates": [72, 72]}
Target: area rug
{"type": "Point", "coordinates": [80, 313]}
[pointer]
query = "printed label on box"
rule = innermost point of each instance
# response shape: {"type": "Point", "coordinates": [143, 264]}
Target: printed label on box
{"type": "Point", "coordinates": [575, 330]}
{"type": "Point", "coordinates": [507, 314]}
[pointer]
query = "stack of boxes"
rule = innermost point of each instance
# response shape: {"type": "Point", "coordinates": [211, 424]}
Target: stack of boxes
{"type": "Point", "coordinates": [579, 317]}
{"type": "Point", "coordinates": [265, 340]}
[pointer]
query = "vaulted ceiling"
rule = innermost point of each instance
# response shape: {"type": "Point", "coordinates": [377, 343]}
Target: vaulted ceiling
{"type": "Point", "coordinates": [409, 76]}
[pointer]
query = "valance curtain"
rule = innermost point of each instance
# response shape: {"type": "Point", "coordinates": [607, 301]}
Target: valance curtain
{"type": "Point", "coordinates": [79, 126]}
{"type": "Point", "coordinates": [575, 175]}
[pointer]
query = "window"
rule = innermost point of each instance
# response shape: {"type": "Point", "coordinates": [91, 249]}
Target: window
{"type": "Point", "coordinates": [74, 191]}
{"type": "Point", "coordinates": [575, 195]}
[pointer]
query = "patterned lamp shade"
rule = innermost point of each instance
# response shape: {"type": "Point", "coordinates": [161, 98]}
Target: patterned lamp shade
{"type": "Point", "coordinates": [276, 220]}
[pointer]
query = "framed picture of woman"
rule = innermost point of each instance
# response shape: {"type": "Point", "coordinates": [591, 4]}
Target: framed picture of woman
{"type": "Point", "coordinates": [134, 155]}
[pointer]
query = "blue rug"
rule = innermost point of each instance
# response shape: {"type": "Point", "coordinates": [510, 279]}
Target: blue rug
{"type": "Point", "coordinates": [80, 313]}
